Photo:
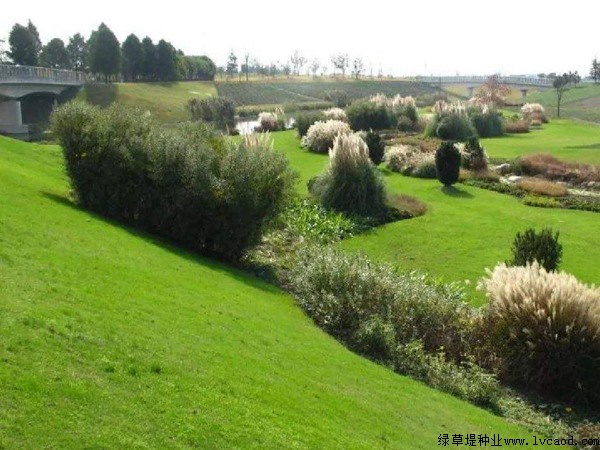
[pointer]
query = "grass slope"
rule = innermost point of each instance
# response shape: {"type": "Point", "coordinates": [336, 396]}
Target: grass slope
{"type": "Point", "coordinates": [165, 100]}
{"type": "Point", "coordinates": [565, 139]}
{"type": "Point", "coordinates": [111, 339]}
{"type": "Point", "coordinates": [581, 102]}
{"type": "Point", "coordinates": [464, 231]}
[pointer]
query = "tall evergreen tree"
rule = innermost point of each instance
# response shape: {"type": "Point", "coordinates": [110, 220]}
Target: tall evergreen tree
{"type": "Point", "coordinates": [167, 61]}
{"type": "Point", "coordinates": [77, 50]}
{"type": "Point", "coordinates": [133, 58]}
{"type": "Point", "coordinates": [54, 55]}
{"type": "Point", "coordinates": [22, 46]}
{"type": "Point", "coordinates": [104, 53]}
{"type": "Point", "coordinates": [149, 59]}
{"type": "Point", "coordinates": [36, 37]}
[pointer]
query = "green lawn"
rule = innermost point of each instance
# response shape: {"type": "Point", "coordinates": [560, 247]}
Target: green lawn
{"type": "Point", "coordinates": [565, 139]}
{"type": "Point", "coordinates": [464, 231]}
{"type": "Point", "coordinates": [581, 102]}
{"type": "Point", "coordinates": [165, 100]}
{"type": "Point", "coordinates": [113, 339]}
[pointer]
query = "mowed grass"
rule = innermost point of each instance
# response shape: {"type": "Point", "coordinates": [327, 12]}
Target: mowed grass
{"type": "Point", "coordinates": [465, 229]}
{"type": "Point", "coordinates": [167, 101]}
{"type": "Point", "coordinates": [565, 139]}
{"type": "Point", "coordinates": [581, 102]}
{"type": "Point", "coordinates": [113, 339]}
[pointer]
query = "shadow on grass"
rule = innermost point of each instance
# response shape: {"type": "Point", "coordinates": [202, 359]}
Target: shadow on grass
{"type": "Point", "coordinates": [455, 192]}
{"type": "Point", "coordinates": [584, 147]}
{"type": "Point", "coordinates": [237, 273]}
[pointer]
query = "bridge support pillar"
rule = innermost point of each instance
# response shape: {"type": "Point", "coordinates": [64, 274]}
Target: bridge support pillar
{"type": "Point", "coordinates": [470, 90]}
{"type": "Point", "coordinates": [11, 119]}
{"type": "Point", "coordinates": [524, 93]}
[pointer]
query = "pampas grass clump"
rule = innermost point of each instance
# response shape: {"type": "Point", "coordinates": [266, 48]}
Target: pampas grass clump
{"type": "Point", "coordinates": [320, 136]}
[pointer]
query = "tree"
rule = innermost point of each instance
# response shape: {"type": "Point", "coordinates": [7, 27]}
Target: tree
{"type": "Point", "coordinates": [133, 58]}
{"type": "Point", "coordinates": [232, 65]}
{"type": "Point", "coordinates": [595, 70]}
{"type": "Point", "coordinates": [358, 67]}
{"type": "Point", "coordinates": [560, 84]}
{"type": "Point", "coordinates": [314, 67]}
{"type": "Point", "coordinates": [3, 52]}
{"type": "Point", "coordinates": [77, 49]}
{"type": "Point", "coordinates": [298, 61]}
{"type": "Point", "coordinates": [574, 78]}
{"type": "Point", "coordinates": [340, 62]}
{"type": "Point", "coordinates": [166, 59]}
{"type": "Point", "coordinates": [36, 36]}
{"type": "Point", "coordinates": [493, 92]}
{"type": "Point", "coordinates": [287, 69]}
{"type": "Point", "coordinates": [23, 50]}
{"type": "Point", "coordinates": [247, 65]}
{"type": "Point", "coordinates": [104, 53]}
{"type": "Point", "coordinates": [54, 55]}
{"type": "Point", "coordinates": [149, 59]}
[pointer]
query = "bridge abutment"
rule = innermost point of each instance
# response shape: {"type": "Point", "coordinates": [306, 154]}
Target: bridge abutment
{"type": "Point", "coordinates": [11, 119]}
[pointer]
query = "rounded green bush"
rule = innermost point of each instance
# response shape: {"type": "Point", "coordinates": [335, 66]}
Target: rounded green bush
{"type": "Point", "coordinates": [447, 163]}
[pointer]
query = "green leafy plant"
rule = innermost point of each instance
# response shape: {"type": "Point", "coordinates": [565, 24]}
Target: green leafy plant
{"type": "Point", "coordinates": [447, 163]}
{"type": "Point", "coordinates": [376, 147]}
{"type": "Point", "coordinates": [542, 247]}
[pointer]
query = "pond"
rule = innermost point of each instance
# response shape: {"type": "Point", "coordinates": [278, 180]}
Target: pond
{"type": "Point", "coordinates": [248, 126]}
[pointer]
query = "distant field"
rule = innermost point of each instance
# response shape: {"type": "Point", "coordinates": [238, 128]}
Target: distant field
{"type": "Point", "coordinates": [282, 92]}
{"type": "Point", "coordinates": [582, 102]}
{"type": "Point", "coordinates": [165, 100]}
{"type": "Point", "coordinates": [461, 91]}
{"type": "Point", "coordinates": [565, 139]}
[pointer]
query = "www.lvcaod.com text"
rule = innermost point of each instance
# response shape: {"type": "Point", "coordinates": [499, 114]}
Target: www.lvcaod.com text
{"type": "Point", "coordinates": [496, 440]}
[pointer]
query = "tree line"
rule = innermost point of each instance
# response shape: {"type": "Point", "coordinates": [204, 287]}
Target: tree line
{"type": "Point", "coordinates": [103, 56]}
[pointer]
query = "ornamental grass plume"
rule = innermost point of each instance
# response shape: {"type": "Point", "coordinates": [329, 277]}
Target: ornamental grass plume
{"type": "Point", "coordinates": [336, 114]}
{"type": "Point", "coordinates": [545, 328]}
{"type": "Point", "coordinates": [320, 136]}
{"type": "Point", "coordinates": [268, 121]}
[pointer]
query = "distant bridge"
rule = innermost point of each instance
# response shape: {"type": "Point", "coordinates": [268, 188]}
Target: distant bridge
{"type": "Point", "coordinates": [17, 82]}
{"type": "Point", "coordinates": [523, 83]}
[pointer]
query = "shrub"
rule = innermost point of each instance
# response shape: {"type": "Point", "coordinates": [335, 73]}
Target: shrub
{"type": "Point", "coordinates": [516, 126]}
{"type": "Point", "coordinates": [410, 160]}
{"type": "Point", "coordinates": [542, 247]}
{"type": "Point", "coordinates": [487, 124]}
{"type": "Point", "coordinates": [545, 328]}
{"type": "Point", "coordinates": [321, 135]}
{"type": "Point", "coordinates": [376, 147]}
{"type": "Point", "coordinates": [351, 183]}
{"type": "Point", "coordinates": [534, 111]}
{"type": "Point", "coordinates": [218, 111]}
{"type": "Point", "coordinates": [305, 120]}
{"type": "Point", "coordinates": [447, 163]}
{"type": "Point", "coordinates": [411, 205]}
{"type": "Point", "coordinates": [268, 121]}
{"type": "Point", "coordinates": [541, 202]}
{"type": "Point", "coordinates": [454, 127]}
{"type": "Point", "coordinates": [542, 187]}
{"type": "Point", "coordinates": [346, 293]}
{"type": "Point", "coordinates": [405, 124]}
{"type": "Point", "coordinates": [366, 115]}
{"type": "Point", "coordinates": [552, 168]}
{"type": "Point", "coordinates": [475, 157]}
{"type": "Point", "coordinates": [187, 184]}
{"type": "Point", "coordinates": [336, 114]}
{"type": "Point", "coordinates": [467, 380]}
{"type": "Point", "coordinates": [338, 97]}
{"type": "Point", "coordinates": [535, 123]}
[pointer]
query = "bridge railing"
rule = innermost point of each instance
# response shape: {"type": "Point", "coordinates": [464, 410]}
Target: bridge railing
{"type": "Point", "coordinates": [29, 74]}
{"type": "Point", "coordinates": [478, 79]}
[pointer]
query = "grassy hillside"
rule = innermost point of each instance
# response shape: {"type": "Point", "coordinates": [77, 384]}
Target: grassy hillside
{"type": "Point", "coordinates": [582, 102]}
{"type": "Point", "coordinates": [464, 230]}
{"type": "Point", "coordinates": [565, 139]}
{"type": "Point", "coordinates": [165, 100]}
{"type": "Point", "coordinates": [282, 92]}
{"type": "Point", "coordinates": [112, 339]}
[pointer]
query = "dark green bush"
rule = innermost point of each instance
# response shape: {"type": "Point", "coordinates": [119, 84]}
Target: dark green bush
{"type": "Point", "coordinates": [218, 111]}
{"type": "Point", "coordinates": [447, 163]}
{"type": "Point", "coordinates": [405, 124]}
{"type": "Point", "coordinates": [365, 115]}
{"type": "Point", "coordinates": [376, 147]}
{"type": "Point", "coordinates": [488, 124]}
{"type": "Point", "coordinates": [542, 247]}
{"type": "Point", "coordinates": [338, 97]}
{"type": "Point", "coordinates": [454, 127]}
{"type": "Point", "coordinates": [351, 183]}
{"type": "Point", "coordinates": [187, 184]}
{"type": "Point", "coordinates": [475, 157]}
{"type": "Point", "coordinates": [410, 112]}
{"type": "Point", "coordinates": [306, 119]}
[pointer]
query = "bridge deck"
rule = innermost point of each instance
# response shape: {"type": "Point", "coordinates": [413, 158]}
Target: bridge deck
{"type": "Point", "coordinates": [42, 75]}
{"type": "Point", "coordinates": [476, 80]}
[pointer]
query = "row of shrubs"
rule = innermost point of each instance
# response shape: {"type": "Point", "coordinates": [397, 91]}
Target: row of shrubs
{"type": "Point", "coordinates": [188, 184]}
{"type": "Point", "coordinates": [540, 329]}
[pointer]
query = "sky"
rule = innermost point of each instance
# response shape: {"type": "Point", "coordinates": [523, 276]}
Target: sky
{"type": "Point", "coordinates": [419, 37]}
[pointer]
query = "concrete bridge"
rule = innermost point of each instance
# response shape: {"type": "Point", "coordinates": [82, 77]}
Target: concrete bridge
{"type": "Point", "coordinates": [472, 82]}
{"type": "Point", "coordinates": [19, 82]}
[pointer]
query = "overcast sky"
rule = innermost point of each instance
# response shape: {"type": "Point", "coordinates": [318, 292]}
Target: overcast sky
{"type": "Point", "coordinates": [400, 37]}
